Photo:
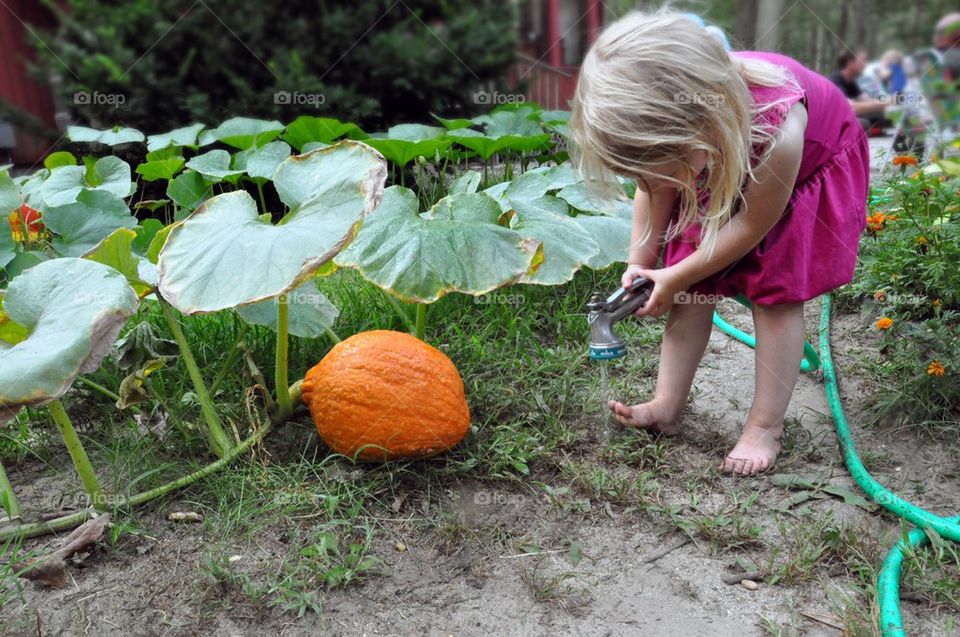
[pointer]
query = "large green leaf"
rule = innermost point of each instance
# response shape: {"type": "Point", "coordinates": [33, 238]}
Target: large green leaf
{"type": "Point", "coordinates": [310, 313]}
{"type": "Point", "coordinates": [405, 142]}
{"type": "Point", "coordinates": [185, 136]}
{"type": "Point", "coordinates": [82, 224]}
{"type": "Point", "coordinates": [520, 122]}
{"type": "Point", "coordinates": [580, 197]}
{"type": "Point", "coordinates": [189, 190]}
{"type": "Point", "coordinates": [64, 185]}
{"type": "Point", "coordinates": [214, 166]}
{"type": "Point", "coordinates": [612, 234]}
{"type": "Point", "coordinates": [73, 310]}
{"type": "Point", "coordinates": [225, 254]}
{"type": "Point", "coordinates": [111, 137]}
{"type": "Point", "coordinates": [307, 128]}
{"type": "Point", "coordinates": [161, 165]}
{"type": "Point", "coordinates": [567, 246]}
{"type": "Point", "coordinates": [244, 132]}
{"type": "Point", "coordinates": [262, 162]}
{"type": "Point", "coordinates": [457, 246]}
{"type": "Point", "coordinates": [9, 200]}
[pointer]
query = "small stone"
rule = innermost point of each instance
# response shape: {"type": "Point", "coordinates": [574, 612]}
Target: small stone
{"type": "Point", "coordinates": [185, 516]}
{"type": "Point", "coordinates": [749, 584]}
{"type": "Point", "coordinates": [234, 558]}
{"type": "Point", "coordinates": [400, 546]}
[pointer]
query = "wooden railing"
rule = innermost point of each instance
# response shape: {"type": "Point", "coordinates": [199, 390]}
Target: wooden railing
{"type": "Point", "coordinates": [549, 86]}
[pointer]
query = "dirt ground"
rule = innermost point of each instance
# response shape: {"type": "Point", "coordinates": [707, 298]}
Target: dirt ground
{"type": "Point", "coordinates": [591, 573]}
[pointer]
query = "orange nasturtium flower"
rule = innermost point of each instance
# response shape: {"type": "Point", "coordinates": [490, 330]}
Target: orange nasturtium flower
{"type": "Point", "coordinates": [904, 160]}
{"type": "Point", "coordinates": [32, 219]}
{"type": "Point", "coordinates": [936, 368]}
{"type": "Point", "coordinates": [883, 323]}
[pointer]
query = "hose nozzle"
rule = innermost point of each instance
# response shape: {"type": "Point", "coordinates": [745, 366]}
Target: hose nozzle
{"type": "Point", "coordinates": [604, 314]}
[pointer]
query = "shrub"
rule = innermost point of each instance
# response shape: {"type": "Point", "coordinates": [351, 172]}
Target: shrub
{"type": "Point", "coordinates": [158, 65]}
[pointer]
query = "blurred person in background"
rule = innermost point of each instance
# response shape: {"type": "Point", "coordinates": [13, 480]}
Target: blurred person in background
{"type": "Point", "coordinates": [850, 67]}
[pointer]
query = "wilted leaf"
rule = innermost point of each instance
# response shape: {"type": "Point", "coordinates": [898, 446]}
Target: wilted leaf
{"type": "Point", "coordinates": [50, 569]}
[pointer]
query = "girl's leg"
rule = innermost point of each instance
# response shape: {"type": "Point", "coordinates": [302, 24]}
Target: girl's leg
{"type": "Point", "coordinates": [779, 330]}
{"type": "Point", "coordinates": [684, 341]}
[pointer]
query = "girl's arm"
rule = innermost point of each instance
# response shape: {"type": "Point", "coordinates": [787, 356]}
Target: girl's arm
{"type": "Point", "coordinates": [765, 201]}
{"type": "Point", "coordinates": [653, 208]}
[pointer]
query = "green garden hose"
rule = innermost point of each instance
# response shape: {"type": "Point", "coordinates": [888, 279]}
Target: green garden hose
{"type": "Point", "coordinates": [888, 584]}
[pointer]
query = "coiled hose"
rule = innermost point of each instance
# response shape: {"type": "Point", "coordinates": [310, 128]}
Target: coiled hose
{"type": "Point", "coordinates": [888, 582]}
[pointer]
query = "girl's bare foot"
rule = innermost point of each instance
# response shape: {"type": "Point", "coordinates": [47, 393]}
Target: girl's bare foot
{"type": "Point", "coordinates": [657, 415]}
{"type": "Point", "coordinates": [755, 452]}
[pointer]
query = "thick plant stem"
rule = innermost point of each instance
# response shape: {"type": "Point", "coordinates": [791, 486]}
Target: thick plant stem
{"type": "Point", "coordinates": [75, 519]}
{"type": "Point", "coordinates": [284, 406]}
{"type": "Point", "coordinates": [7, 497]}
{"type": "Point", "coordinates": [421, 329]}
{"type": "Point", "coordinates": [87, 476]}
{"type": "Point", "coordinates": [332, 336]}
{"type": "Point", "coordinates": [219, 442]}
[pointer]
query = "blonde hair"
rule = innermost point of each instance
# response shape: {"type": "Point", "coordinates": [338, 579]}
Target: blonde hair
{"type": "Point", "coordinates": [657, 86]}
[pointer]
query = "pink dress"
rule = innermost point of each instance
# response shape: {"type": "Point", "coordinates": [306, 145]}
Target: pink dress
{"type": "Point", "coordinates": [813, 248]}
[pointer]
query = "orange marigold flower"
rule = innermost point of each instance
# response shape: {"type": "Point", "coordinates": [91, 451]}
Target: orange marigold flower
{"type": "Point", "coordinates": [922, 240]}
{"type": "Point", "coordinates": [880, 296]}
{"type": "Point", "coordinates": [875, 222]}
{"type": "Point", "coordinates": [936, 368]}
{"type": "Point", "coordinates": [884, 323]}
{"type": "Point", "coordinates": [904, 160]}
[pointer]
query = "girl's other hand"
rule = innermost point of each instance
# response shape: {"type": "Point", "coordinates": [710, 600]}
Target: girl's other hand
{"type": "Point", "coordinates": [631, 273]}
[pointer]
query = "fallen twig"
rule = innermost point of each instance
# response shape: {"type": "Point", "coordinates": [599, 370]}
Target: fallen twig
{"type": "Point", "coordinates": [666, 550]}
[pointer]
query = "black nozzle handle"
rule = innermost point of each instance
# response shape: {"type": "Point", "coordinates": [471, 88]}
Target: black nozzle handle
{"type": "Point", "coordinates": [629, 299]}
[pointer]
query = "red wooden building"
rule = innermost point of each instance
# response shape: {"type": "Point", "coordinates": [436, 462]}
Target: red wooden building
{"type": "Point", "coordinates": [554, 37]}
{"type": "Point", "coordinates": [18, 88]}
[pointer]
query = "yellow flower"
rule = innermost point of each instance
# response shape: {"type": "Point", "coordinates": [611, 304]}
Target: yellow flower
{"type": "Point", "coordinates": [883, 323]}
{"type": "Point", "coordinates": [936, 368]}
{"type": "Point", "coordinates": [936, 303]}
{"type": "Point", "coordinates": [922, 240]}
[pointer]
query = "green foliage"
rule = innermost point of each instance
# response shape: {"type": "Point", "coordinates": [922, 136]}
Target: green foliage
{"type": "Point", "coordinates": [161, 65]}
{"type": "Point", "coordinates": [909, 285]}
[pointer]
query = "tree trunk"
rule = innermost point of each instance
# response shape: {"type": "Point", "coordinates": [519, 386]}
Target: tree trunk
{"type": "Point", "coordinates": [769, 14]}
{"type": "Point", "coordinates": [745, 28]}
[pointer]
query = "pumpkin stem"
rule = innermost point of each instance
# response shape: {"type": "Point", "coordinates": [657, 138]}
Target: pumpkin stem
{"type": "Point", "coordinates": [216, 436]}
{"type": "Point", "coordinates": [421, 328]}
{"type": "Point", "coordinates": [7, 497]}
{"type": "Point", "coordinates": [284, 404]}
{"type": "Point", "coordinates": [80, 460]}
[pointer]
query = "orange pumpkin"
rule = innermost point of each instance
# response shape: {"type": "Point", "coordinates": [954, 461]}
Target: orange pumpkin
{"type": "Point", "coordinates": [384, 395]}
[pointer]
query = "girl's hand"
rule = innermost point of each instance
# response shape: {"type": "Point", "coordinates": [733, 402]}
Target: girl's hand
{"type": "Point", "coordinates": [666, 286]}
{"type": "Point", "coordinates": [631, 273]}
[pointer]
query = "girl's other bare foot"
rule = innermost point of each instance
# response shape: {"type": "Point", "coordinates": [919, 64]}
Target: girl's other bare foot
{"type": "Point", "coordinates": [657, 415]}
{"type": "Point", "coordinates": [755, 452]}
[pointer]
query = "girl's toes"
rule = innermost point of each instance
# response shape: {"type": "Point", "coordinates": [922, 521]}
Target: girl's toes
{"type": "Point", "coordinates": [746, 468]}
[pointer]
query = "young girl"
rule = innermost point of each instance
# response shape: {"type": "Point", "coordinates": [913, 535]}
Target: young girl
{"type": "Point", "coordinates": [752, 174]}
